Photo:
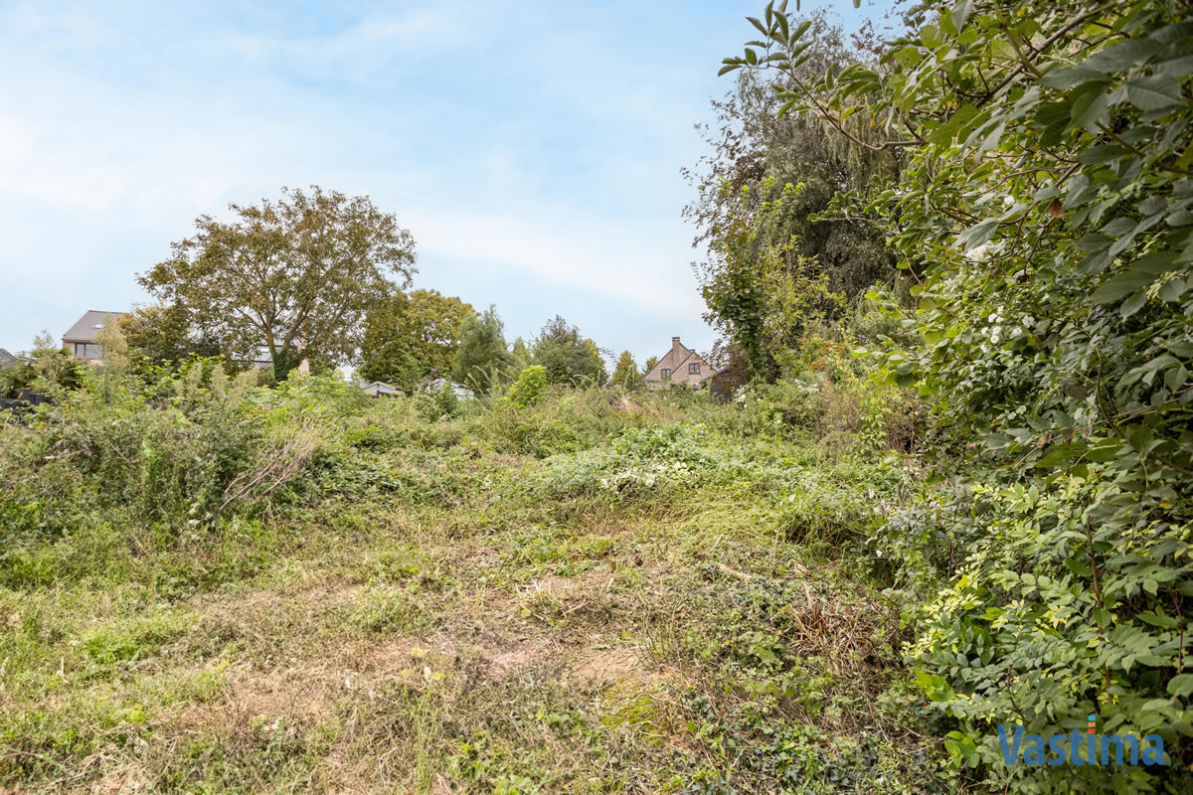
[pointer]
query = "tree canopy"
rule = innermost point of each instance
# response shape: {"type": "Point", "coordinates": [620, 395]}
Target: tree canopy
{"type": "Point", "coordinates": [627, 374]}
{"type": "Point", "coordinates": [410, 335]}
{"type": "Point", "coordinates": [164, 334]}
{"type": "Point", "coordinates": [483, 359]}
{"type": "Point", "coordinates": [778, 263]}
{"type": "Point", "coordinates": [296, 276]}
{"type": "Point", "coordinates": [567, 356]}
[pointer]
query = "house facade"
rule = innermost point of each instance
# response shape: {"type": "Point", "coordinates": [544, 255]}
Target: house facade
{"type": "Point", "coordinates": [80, 339]}
{"type": "Point", "coordinates": [680, 365]}
{"type": "Point", "coordinates": [6, 359]}
{"type": "Point", "coordinates": [380, 389]}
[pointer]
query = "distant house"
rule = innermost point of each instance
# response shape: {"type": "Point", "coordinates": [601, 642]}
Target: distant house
{"type": "Point", "coordinates": [6, 359]}
{"type": "Point", "coordinates": [680, 365]}
{"type": "Point", "coordinates": [81, 338]}
{"type": "Point", "coordinates": [381, 389]}
{"type": "Point", "coordinates": [461, 391]}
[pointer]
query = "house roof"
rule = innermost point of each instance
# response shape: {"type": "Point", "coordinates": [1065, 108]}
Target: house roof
{"type": "Point", "coordinates": [6, 358]}
{"type": "Point", "coordinates": [86, 327]}
{"type": "Point", "coordinates": [380, 386]}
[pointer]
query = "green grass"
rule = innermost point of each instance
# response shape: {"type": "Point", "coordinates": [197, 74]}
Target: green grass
{"type": "Point", "coordinates": [604, 593]}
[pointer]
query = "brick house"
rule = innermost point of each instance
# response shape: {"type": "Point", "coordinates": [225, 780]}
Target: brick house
{"type": "Point", "coordinates": [680, 365]}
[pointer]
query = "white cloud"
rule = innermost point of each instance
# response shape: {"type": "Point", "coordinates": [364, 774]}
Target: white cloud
{"type": "Point", "coordinates": [356, 50]}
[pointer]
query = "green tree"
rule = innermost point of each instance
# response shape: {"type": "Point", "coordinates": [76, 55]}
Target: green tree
{"type": "Point", "coordinates": [778, 261]}
{"type": "Point", "coordinates": [1045, 213]}
{"type": "Point", "coordinates": [408, 336]}
{"type": "Point", "coordinates": [568, 357]}
{"type": "Point", "coordinates": [296, 276]}
{"type": "Point", "coordinates": [763, 296]}
{"type": "Point", "coordinates": [521, 355]}
{"type": "Point", "coordinates": [626, 374]}
{"type": "Point", "coordinates": [650, 363]}
{"type": "Point", "coordinates": [482, 359]}
{"type": "Point", "coordinates": [163, 335]}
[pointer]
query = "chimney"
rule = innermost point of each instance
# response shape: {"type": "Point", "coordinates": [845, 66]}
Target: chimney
{"type": "Point", "coordinates": [676, 347]}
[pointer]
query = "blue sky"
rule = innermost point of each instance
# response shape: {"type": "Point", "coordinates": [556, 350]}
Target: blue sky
{"type": "Point", "coordinates": [532, 148]}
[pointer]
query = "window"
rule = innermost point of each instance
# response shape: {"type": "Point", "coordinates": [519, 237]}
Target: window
{"type": "Point", "coordinates": [694, 369]}
{"type": "Point", "coordinates": [87, 351]}
{"type": "Point", "coordinates": [666, 373]}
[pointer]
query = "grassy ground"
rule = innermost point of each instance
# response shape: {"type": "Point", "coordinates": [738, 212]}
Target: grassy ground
{"type": "Point", "coordinates": [600, 595]}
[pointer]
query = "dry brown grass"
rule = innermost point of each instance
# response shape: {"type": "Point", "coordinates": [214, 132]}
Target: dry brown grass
{"type": "Point", "coordinates": [849, 636]}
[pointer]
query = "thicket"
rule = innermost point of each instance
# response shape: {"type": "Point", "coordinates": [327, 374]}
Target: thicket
{"type": "Point", "coordinates": [1043, 210]}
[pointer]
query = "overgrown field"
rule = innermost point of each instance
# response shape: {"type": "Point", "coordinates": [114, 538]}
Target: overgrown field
{"type": "Point", "coordinates": [210, 588]}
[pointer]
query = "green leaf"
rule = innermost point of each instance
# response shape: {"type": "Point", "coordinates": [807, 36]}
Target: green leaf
{"type": "Point", "coordinates": [1156, 92]}
{"type": "Point", "coordinates": [1179, 67]}
{"type": "Point", "coordinates": [1091, 107]}
{"type": "Point", "coordinates": [1123, 55]}
{"type": "Point", "coordinates": [1138, 274]}
{"type": "Point", "coordinates": [991, 140]}
{"type": "Point", "coordinates": [961, 13]}
{"type": "Point", "coordinates": [1180, 685]}
{"type": "Point", "coordinates": [1114, 288]}
{"type": "Point", "coordinates": [1176, 378]}
{"type": "Point", "coordinates": [783, 28]}
{"type": "Point", "coordinates": [1133, 305]}
{"type": "Point", "coordinates": [977, 234]}
{"type": "Point", "coordinates": [1064, 79]}
{"type": "Point", "coordinates": [758, 24]}
{"type": "Point", "coordinates": [1106, 153]}
{"type": "Point", "coordinates": [1172, 290]}
{"type": "Point", "coordinates": [1059, 455]}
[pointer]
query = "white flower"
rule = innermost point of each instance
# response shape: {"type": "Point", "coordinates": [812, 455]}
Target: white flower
{"type": "Point", "coordinates": [1028, 321]}
{"type": "Point", "coordinates": [1008, 200]}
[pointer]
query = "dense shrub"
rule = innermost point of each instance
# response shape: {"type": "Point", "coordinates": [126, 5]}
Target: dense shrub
{"type": "Point", "coordinates": [444, 404]}
{"type": "Point", "coordinates": [1043, 209]}
{"type": "Point", "coordinates": [173, 452]}
{"type": "Point", "coordinates": [528, 389]}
